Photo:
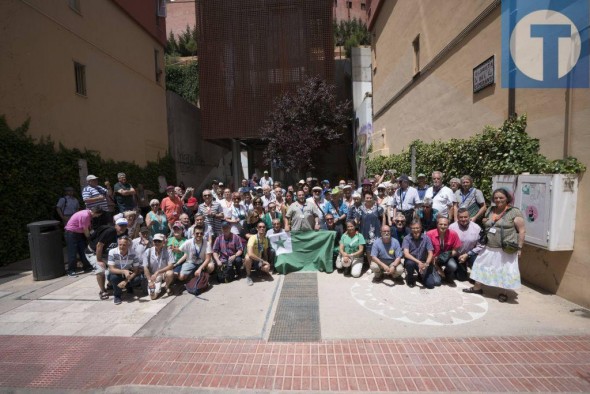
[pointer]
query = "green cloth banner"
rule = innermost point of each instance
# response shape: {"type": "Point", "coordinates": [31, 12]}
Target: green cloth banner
{"type": "Point", "coordinates": [312, 251]}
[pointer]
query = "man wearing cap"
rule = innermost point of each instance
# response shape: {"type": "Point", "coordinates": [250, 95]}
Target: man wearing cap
{"type": "Point", "coordinates": [338, 208]}
{"type": "Point", "coordinates": [171, 206]}
{"type": "Point", "coordinates": [319, 201]}
{"type": "Point", "coordinates": [442, 197]}
{"type": "Point", "coordinates": [347, 195]}
{"type": "Point", "coordinates": [406, 199]}
{"type": "Point", "coordinates": [103, 240]}
{"type": "Point", "coordinates": [421, 187]}
{"type": "Point", "coordinates": [302, 215]}
{"type": "Point", "coordinates": [67, 205]}
{"type": "Point", "coordinates": [227, 253]}
{"type": "Point", "coordinates": [124, 194]}
{"type": "Point", "coordinates": [95, 195]}
{"type": "Point", "coordinates": [326, 185]}
{"type": "Point", "coordinates": [77, 231]}
{"type": "Point", "coordinates": [156, 261]}
{"type": "Point", "coordinates": [266, 180]}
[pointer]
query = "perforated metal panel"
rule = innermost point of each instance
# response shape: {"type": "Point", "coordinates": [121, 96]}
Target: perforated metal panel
{"type": "Point", "coordinates": [251, 51]}
{"type": "Point", "coordinates": [297, 318]}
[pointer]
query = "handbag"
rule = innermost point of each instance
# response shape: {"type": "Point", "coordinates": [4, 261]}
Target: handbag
{"type": "Point", "coordinates": [509, 247]}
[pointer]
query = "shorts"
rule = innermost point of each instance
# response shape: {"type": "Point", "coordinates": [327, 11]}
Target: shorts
{"type": "Point", "coordinates": [188, 268]}
{"type": "Point", "coordinates": [91, 257]}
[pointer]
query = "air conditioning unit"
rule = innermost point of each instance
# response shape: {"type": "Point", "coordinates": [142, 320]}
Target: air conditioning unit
{"type": "Point", "coordinates": [548, 204]}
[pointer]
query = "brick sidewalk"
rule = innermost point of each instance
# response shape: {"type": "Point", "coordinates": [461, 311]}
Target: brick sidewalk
{"type": "Point", "coordinates": [502, 364]}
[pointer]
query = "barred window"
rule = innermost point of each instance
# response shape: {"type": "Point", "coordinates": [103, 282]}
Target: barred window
{"type": "Point", "coordinates": [80, 74]}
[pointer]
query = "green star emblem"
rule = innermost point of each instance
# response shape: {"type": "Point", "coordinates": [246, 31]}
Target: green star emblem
{"type": "Point", "coordinates": [280, 243]}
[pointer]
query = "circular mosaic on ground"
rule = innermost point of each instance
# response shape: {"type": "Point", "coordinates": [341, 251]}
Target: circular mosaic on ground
{"type": "Point", "coordinates": [440, 306]}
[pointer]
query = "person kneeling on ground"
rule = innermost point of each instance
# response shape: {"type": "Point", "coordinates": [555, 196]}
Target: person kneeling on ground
{"type": "Point", "coordinates": [257, 253]}
{"type": "Point", "coordinates": [418, 256]}
{"type": "Point", "coordinates": [157, 260]}
{"type": "Point", "coordinates": [445, 243]}
{"type": "Point", "coordinates": [197, 256]}
{"type": "Point", "coordinates": [123, 268]}
{"type": "Point", "coordinates": [352, 247]}
{"type": "Point", "coordinates": [386, 256]}
{"type": "Point", "coordinates": [227, 254]}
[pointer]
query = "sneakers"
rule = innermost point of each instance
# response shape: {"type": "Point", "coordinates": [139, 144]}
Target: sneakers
{"type": "Point", "coordinates": [411, 284]}
{"type": "Point", "coordinates": [117, 300]}
{"type": "Point", "coordinates": [88, 269]}
{"type": "Point", "coordinates": [249, 281]}
{"type": "Point", "coordinates": [158, 288]}
{"type": "Point", "coordinates": [72, 274]}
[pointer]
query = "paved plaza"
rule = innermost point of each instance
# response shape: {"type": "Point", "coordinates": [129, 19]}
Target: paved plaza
{"type": "Point", "coordinates": [301, 331]}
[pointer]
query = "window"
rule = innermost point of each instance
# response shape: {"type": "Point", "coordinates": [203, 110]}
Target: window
{"type": "Point", "coordinates": [158, 70]}
{"type": "Point", "coordinates": [349, 4]}
{"type": "Point", "coordinates": [416, 45]}
{"type": "Point", "coordinates": [80, 74]}
{"type": "Point", "coordinates": [75, 5]}
{"type": "Point", "coordinates": [363, 6]}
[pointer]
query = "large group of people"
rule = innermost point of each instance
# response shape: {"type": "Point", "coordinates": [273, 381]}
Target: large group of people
{"type": "Point", "coordinates": [393, 227]}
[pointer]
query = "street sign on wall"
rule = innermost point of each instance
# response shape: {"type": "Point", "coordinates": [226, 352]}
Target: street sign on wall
{"type": "Point", "coordinates": [484, 75]}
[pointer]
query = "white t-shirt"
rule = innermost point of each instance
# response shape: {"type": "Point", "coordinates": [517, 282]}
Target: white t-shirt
{"type": "Point", "coordinates": [196, 254]}
{"type": "Point", "coordinates": [155, 262]}
{"type": "Point", "coordinates": [405, 200]}
{"type": "Point", "coordinates": [442, 201]}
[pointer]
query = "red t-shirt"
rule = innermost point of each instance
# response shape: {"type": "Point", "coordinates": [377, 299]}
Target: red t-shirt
{"type": "Point", "coordinates": [172, 208]}
{"type": "Point", "coordinates": [449, 242]}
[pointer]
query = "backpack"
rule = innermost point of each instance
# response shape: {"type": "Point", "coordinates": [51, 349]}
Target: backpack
{"type": "Point", "coordinates": [225, 273]}
{"type": "Point", "coordinates": [198, 284]}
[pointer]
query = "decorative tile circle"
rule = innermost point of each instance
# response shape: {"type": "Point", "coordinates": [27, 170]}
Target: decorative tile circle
{"type": "Point", "coordinates": [440, 306]}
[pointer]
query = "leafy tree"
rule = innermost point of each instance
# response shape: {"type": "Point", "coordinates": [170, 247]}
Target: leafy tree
{"type": "Point", "coordinates": [302, 123]}
{"type": "Point", "coordinates": [171, 45]}
{"type": "Point", "coordinates": [184, 45]}
{"type": "Point", "coordinates": [351, 34]}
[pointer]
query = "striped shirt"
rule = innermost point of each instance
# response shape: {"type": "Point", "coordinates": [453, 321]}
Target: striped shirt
{"type": "Point", "coordinates": [92, 192]}
{"type": "Point", "coordinates": [130, 261]}
{"type": "Point", "coordinates": [212, 223]}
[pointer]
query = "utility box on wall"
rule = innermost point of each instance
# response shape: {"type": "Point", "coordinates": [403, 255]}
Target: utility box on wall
{"type": "Point", "coordinates": [548, 204]}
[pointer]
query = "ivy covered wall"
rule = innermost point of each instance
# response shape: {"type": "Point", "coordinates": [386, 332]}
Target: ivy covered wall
{"type": "Point", "coordinates": [34, 174]}
{"type": "Point", "coordinates": [504, 150]}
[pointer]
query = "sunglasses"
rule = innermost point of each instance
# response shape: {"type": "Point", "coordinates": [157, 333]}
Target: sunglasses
{"type": "Point", "coordinates": [206, 195]}
{"type": "Point", "coordinates": [157, 241]}
{"type": "Point", "coordinates": [262, 227]}
{"type": "Point", "coordinates": [201, 234]}
{"type": "Point", "coordinates": [400, 221]}
{"type": "Point", "coordinates": [155, 205]}
{"type": "Point", "coordinates": [385, 232]}
{"type": "Point", "coordinates": [257, 203]}
{"type": "Point", "coordinates": [316, 191]}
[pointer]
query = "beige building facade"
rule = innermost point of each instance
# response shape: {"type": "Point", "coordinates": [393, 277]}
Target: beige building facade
{"type": "Point", "coordinates": [89, 74]}
{"type": "Point", "coordinates": [423, 56]}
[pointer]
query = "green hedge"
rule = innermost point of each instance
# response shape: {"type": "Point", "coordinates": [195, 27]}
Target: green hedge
{"type": "Point", "coordinates": [34, 174]}
{"type": "Point", "coordinates": [183, 79]}
{"type": "Point", "coordinates": [505, 150]}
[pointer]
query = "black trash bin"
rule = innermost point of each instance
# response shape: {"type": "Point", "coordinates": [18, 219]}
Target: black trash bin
{"type": "Point", "coordinates": [45, 245]}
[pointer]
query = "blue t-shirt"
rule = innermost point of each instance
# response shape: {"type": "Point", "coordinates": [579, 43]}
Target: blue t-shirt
{"type": "Point", "coordinates": [386, 252]}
